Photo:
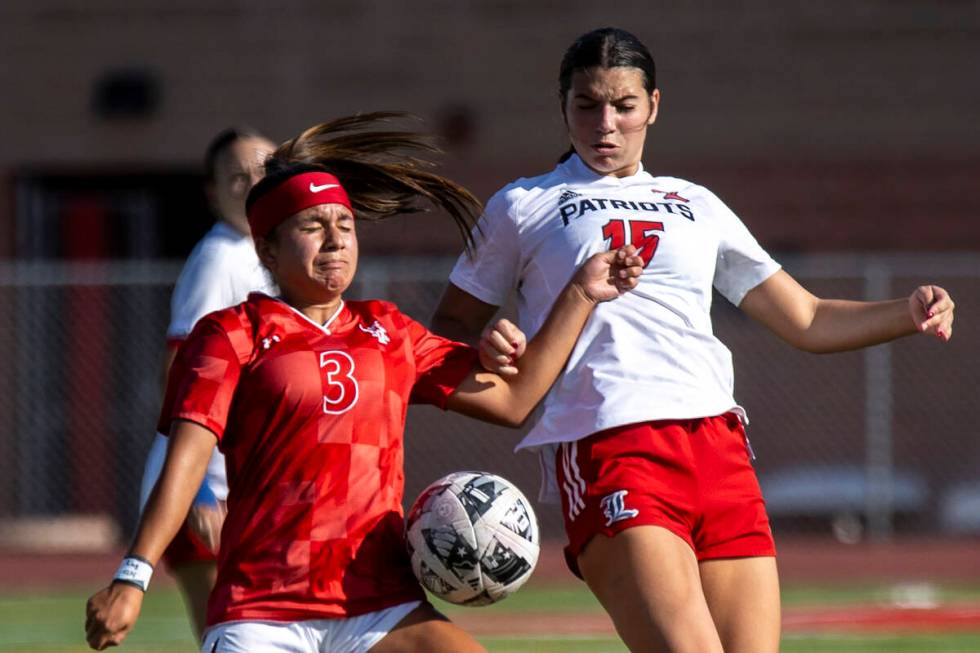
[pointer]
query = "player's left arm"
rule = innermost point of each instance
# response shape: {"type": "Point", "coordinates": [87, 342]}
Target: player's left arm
{"type": "Point", "coordinates": [112, 612]}
{"type": "Point", "coordinates": [821, 325]}
{"type": "Point", "coordinates": [509, 400]}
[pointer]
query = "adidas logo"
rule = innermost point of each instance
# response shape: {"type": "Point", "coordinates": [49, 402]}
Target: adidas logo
{"type": "Point", "coordinates": [567, 195]}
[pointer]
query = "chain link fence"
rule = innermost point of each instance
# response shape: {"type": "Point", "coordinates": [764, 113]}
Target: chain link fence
{"type": "Point", "coordinates": [862, 444]}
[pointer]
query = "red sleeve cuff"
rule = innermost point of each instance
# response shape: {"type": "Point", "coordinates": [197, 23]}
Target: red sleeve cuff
{"type": "Point", "coordinates": [163, 427]}
{"type": "Point", "coordinates": [435, 386]}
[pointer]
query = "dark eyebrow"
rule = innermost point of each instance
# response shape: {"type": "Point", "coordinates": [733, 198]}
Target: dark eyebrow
{"type": "Point", "coordinates": [584, 96]}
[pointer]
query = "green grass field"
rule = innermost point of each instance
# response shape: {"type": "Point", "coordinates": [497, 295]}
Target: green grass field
{"type": "Point", "coordinates": [53, 623]}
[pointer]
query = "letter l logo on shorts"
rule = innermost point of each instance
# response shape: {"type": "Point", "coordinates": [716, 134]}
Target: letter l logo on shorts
{"type": "Point", "coordinates": [614, 509]}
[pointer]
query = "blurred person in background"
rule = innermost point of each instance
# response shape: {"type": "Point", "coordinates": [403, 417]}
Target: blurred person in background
{"type": "Point", "coordinates": [221, 271]}
{"type": "Point", "coordinates": [642, 435]}
{"type": "Point", "coordinates": [306, 394]}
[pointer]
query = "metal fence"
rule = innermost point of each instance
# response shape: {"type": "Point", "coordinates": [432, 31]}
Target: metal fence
{"type": "Point", "coordinates": [868, 443]}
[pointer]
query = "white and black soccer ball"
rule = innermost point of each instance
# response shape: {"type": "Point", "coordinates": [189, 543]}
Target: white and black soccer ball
{"type": "Point", "coordinates": [473, 538]}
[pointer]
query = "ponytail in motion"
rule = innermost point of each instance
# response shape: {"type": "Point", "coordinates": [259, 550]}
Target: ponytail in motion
{"type": "Point", "coordinates": [382, 170]}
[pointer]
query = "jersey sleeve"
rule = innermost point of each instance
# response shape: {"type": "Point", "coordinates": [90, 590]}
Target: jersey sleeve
{"type": "Point", "coordinates": [440, 365]}
{"type": "Point", "coordinates": [202, 380]}
{"type": "Point", "coordinates": [490, 271]}
{"type": "Point", "coordinates": [152, 468]}
{"type": "Point", "coordinates": [742, 264]}
{"type": "Point", "coordinates": [203, 287]}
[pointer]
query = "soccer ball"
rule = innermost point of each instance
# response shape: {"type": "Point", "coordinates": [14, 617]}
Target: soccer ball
{"type": "Point", "coordinates": [473, 538]}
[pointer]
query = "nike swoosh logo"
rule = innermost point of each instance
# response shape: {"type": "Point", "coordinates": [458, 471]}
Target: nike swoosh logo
{"type": "Point", "coordinates": [316, 189]}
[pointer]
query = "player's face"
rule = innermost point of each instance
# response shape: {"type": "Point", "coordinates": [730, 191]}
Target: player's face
{"type": "Point", "coordinates": [313, 254]}
{"type": "Point", "coordinates": [236, 169]}
{"type": "Point", "coordinates": [607, 111]}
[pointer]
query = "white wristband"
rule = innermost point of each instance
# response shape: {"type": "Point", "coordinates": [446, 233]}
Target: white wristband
{"type": "Point", "coordinates": [134, 571]}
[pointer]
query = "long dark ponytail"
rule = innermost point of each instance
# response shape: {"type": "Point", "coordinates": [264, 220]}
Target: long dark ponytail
{"type": "Point", "coordinates": [382, 170]}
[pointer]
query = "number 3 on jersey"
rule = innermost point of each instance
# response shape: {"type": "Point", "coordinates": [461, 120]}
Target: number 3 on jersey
{"type": "Point", "coordinates": [645, 242]}
{"type": "Point", "coordinates": [341, 393]}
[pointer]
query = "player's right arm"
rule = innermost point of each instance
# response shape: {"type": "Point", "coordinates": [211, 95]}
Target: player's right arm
{"type": "Point", "coordinates": [479, 284]}
{"type": "Point", "coordinates": [169, 353]}
{"type": "Point", "coordinates": [207, 512]}
{"type": "Point", "coordinates": [462, 317]}
{"type": "Point", "coordinates": [111, 612]}
{"type": "Point", "coordinates": [502, 400]}
{"type": "Point", "coordinates": [158, 450]}
{"type": "Point", "coordinates": [201, 288]}
{"type": "Point", "coordinates": [195, 411]}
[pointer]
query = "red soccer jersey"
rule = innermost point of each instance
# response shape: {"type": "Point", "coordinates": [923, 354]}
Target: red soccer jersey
{"type": "Point", "coordinates": [311, 420]}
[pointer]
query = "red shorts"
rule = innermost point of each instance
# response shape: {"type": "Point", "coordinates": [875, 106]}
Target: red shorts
{"type": "Point", "coordinates": [693, 477]}
{"type": "Point", "coordinates": [185, 548]}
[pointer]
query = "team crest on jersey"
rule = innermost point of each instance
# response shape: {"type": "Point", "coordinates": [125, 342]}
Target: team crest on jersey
{"type": "Point", "coordinates": [377, 331]}
{"type": "Point", "coordinates": [566, 195]}
{"type": "Point", "coordinates": [670, 195]}
{"type": "Point", "coordinates": [614, 508]}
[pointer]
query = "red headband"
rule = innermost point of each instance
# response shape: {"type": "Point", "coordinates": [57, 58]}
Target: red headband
{"type": "Point", "coordinates": [292, 196]}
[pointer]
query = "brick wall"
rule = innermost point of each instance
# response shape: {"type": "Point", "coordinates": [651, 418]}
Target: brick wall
{"type": "Point", "coordinates": [796, 112]}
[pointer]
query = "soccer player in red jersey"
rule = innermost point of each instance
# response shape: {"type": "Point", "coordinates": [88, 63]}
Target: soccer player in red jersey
{"type": "Point", "coordinates": [306, 394]}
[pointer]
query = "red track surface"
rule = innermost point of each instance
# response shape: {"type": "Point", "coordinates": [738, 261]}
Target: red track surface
{"type": "Point", "coordinates": [864, 618]}
{"type": "Point", "coordinates": [858, 618]}
{"type": "Point", "coordinates": [801, 561]}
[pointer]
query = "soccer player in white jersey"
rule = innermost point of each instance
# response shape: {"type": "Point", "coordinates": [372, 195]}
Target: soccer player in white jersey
{"type": "Point", "coordinates": [221, 271]}
{"type": "Point", "coordinates": [661, 505]}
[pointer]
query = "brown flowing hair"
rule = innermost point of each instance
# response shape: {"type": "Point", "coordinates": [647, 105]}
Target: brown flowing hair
{"type": "Point", "coordinates": [382, 169]}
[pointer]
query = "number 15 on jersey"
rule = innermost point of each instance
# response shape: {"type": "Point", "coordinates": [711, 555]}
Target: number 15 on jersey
{"type": "Point", "coordinates": [641, 236]}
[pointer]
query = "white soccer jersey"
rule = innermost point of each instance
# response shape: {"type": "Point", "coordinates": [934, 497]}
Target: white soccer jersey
{"type": "Point", "coordinates": [221, 271]}
{"type": "Point", "coordinates": [650, 354]}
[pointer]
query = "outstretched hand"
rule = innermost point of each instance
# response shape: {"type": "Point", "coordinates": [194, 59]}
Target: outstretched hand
{"type": "Point", "coordinates": [500, 346]}
{"type": "Point", "coordinates": [608, 275]}
{"type": "Point", "coordinates": [931, 309]}
{"type": "Point", "coordinates": [110, 614]}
